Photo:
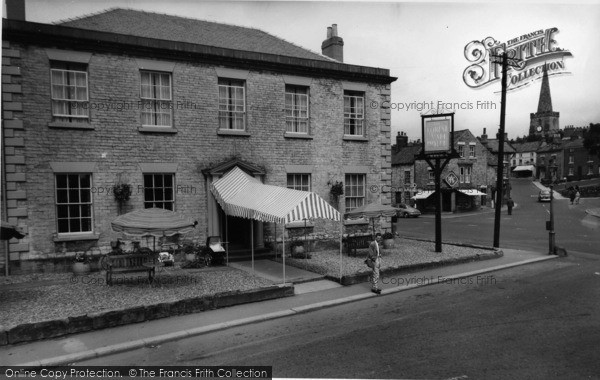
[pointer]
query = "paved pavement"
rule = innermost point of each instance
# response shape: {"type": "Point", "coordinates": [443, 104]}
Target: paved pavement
{"type": "Point", "coordinates": [313, 295]}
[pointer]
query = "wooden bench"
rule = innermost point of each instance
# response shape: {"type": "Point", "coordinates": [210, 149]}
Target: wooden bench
{"type": "Point", "coordinates": [135, 262]}
{"type": "Point", "coordinates": [354, 242]}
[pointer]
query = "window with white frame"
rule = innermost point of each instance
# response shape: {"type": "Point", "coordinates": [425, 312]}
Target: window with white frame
{"type": "Point", "coordinates": [232, 104]}
{"type": "Point", "coordinates": [298, 182]}
{"type": "Point", "coordinates": [465, 174]}
{"type": "Point", "coordinates": [159, 191]}
{"type": "Point", "coordinates": [461, 149]}
{"type": "Point", "coordinates": [69, 91]}
{"type": "Point", "coordinates": [73, 203]}
{"type": "Point", "coordinates": [471, 150]}
{"type": "Point", "coordinates": [296, 109]}
{"type": "Point", "coordinates": [431, 176]}
{"type": "Point", "coordinates": [354, 113]}
{"type": "Point", "coordinates": [590, 169]}
{"type": "Point", "coordinates": [354, 191]}
{"type": "Point", "coordinates": [571, 159]}
{"type": "Point", "coordinates": [156, 100]}
{"type": "Point", "coordinates": [571, 172]}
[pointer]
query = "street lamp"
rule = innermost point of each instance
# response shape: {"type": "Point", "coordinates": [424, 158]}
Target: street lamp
{"type": "Point", "coordinates": [550, 227]}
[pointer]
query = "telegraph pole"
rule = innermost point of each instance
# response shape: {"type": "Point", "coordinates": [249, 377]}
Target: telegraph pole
{"type": "Point", "coordinates": [500, 174]}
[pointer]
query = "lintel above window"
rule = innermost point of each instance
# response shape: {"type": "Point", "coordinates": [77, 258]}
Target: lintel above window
{"type": "Point", "coordinates": [73, 167]}
{"type": "Point", "coordinates": [153, 65]}
{"type": "Point", "coordinates": [68, 56]}
{"type": "Point", "coordinates": [297, 81]}
{"type": "Point", "coordinates": [223, 72]}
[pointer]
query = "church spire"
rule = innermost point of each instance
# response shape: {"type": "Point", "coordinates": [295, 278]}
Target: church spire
{"type": "Point", "coordinates": [545, 102]}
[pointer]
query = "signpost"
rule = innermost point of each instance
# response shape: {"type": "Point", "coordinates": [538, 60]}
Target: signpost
{"type": "Point", "coordinates": [438, 145]}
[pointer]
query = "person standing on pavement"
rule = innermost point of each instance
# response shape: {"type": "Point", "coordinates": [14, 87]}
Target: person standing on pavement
{"type": "Point", "coordinates": [577, 195]}
{"type": "Point", "coordinates": [375, 257]}
{"type": "Point", "coordinates": [510, 204]}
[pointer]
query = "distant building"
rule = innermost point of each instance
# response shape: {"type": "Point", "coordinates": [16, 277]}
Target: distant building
{"type": "Point", "coordinates": [545, 121]}
{"type": "Point", "coordinates": [404, 186]}
{"type": "Point", "coordinates": [578, 162]}
{"type": "Point", "coordinates": [523, 161]}
{"type": "Point", "coordinates": [465, 181]}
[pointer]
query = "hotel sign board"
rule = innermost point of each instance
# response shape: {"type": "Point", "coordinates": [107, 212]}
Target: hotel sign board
{"type": "Point", "coordinates": [438, 138]}
{"type": "Point", "coordinates": [437, 135]}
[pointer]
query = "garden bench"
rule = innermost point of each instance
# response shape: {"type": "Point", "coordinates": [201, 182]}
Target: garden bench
{"type": "Point", "coordinates": [354, 242]}
{"type": "Point", "coordinates": [135, 262]}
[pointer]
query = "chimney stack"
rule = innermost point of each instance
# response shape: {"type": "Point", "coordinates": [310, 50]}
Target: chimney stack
{"type": "Point", "coordinates": [483, 138]}
{"type": "Point", "coordinates": [15, 10]}
{"type": "Point", "coordinates": [333, 46]}
{"type": "Point", "coordinates": [401, 141]}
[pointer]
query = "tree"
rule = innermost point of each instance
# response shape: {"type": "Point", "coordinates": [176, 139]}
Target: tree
{"type": "Point", "coordinates": [591, 140]}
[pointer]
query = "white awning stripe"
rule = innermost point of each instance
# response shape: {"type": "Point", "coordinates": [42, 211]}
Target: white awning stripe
{"type": "Point", "coordinates": [246, 197]}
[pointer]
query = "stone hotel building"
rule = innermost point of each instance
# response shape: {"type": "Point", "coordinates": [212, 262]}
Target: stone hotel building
{"type": "Point", "coordinates": [167, 105]}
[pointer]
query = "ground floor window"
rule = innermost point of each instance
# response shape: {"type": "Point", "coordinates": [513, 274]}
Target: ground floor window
{"type": "Point", "coordinates": [73, 203]}
{"type": "Point", "coordinates": [354, 191]}
{"type": "Point", "coordinates": [159, 191]}
{"type": "Point", "coordinates": [298, 182]}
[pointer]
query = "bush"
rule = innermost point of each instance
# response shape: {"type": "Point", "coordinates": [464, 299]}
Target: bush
{"type": "Point", "coordinates": [387, 235]}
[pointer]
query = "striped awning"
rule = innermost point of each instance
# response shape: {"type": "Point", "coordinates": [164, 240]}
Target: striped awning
{"type": "Point", "coordinates": [244, 196]}
{"type": "Point", "coordinates": [424, 194]}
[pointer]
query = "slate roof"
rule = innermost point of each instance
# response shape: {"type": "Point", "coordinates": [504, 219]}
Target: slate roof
{"type": "Point", "coordinates": [493, 145]}
{"type": "Point", "coordinates": [406, 156]}
{"type": "Point", "coordinates": [180, 29]}
{"type": "Point", "coordinates": [531, 146]}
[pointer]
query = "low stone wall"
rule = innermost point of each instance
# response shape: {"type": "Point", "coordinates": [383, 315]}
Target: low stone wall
{"type": "Point", "coordinates": [51, 329]}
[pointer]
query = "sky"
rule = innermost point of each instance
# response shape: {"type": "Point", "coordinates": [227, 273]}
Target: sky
{"type": "Point", "coordinates": [422, 44]}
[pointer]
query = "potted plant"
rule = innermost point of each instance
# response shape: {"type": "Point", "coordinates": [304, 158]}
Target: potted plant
{"type": "Point", "coordinates": [81, 264]}
{"type": "Point", "coordinates": [297, 248]}
{"type": "Point", "coordinates": [337, 189]}
{"type": "Point", "coordinates": [388, 240]}
{"type": "Point", "coordinates": [122, 192]}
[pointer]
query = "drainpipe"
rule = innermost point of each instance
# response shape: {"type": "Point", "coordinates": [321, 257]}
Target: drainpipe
{"type": "Point", "coordinates": [4, 208]}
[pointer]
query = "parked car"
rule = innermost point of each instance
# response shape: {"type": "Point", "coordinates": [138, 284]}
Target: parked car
{"type": "Point", "coordinates": [405, 211]}
{"type": "Point", "coordinates": [544, 196]}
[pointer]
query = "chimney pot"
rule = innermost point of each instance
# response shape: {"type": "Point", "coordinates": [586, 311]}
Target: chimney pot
{"type": "Point", "coordinates": [329, 32]}
{"type": "Point", "coordinates": [334, 30]}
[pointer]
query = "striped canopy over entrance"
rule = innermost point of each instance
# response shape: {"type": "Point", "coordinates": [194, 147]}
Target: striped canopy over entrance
{"type": "Point", "coordinates": [244, 196]}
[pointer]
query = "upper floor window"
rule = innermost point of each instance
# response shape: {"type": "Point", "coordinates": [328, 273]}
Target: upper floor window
{"type": "Point", "coordinates": [73, 203]}
{"type": "Point", "coordinates": [461, 149]}
{"type": "Point", "coordinates": [354, 191]}
{"type": "Point", "coordinates": [407, 178]}
{"type": "Point", "coordinates": [296, 109]}
{"type": "Point", "coordinates": [155, 94]}
{"type": "Point", "coordinates": [471, 150]}
{"type": "Point", "coordinates": [298, 182]}
{"type": "Point", "coordinates": [159, 191]}
{"type": "Point", "coordinates": [465, 174]}
{"type": "Point", "coordinates": [354, 113]}
{"type": "Point", "coordinates": [571, 159]}
{"type": "Point", "coordinates": [232, 104]}
{"type": "Point", "coordinates": [69, 91]}
{"type": "Point", "coordinates": [431, 175]}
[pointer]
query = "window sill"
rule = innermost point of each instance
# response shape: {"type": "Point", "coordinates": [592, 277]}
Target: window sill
{"type": "Point", "coordinates": [67, 125]}
{"type": "Point", "coordinates": [232, 132]}
{"type": "Point", "coordinates": [149, 129]}
{"type": "Point", "coordinates": [295, 135]}
{"type": "Point", "coordinates": [355, 138]}
{"type": "Point", "coordinates": [66, 237]}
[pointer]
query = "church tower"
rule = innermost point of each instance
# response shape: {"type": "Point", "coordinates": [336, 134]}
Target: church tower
{"type": "Point", "coordinates": [544, 121]}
